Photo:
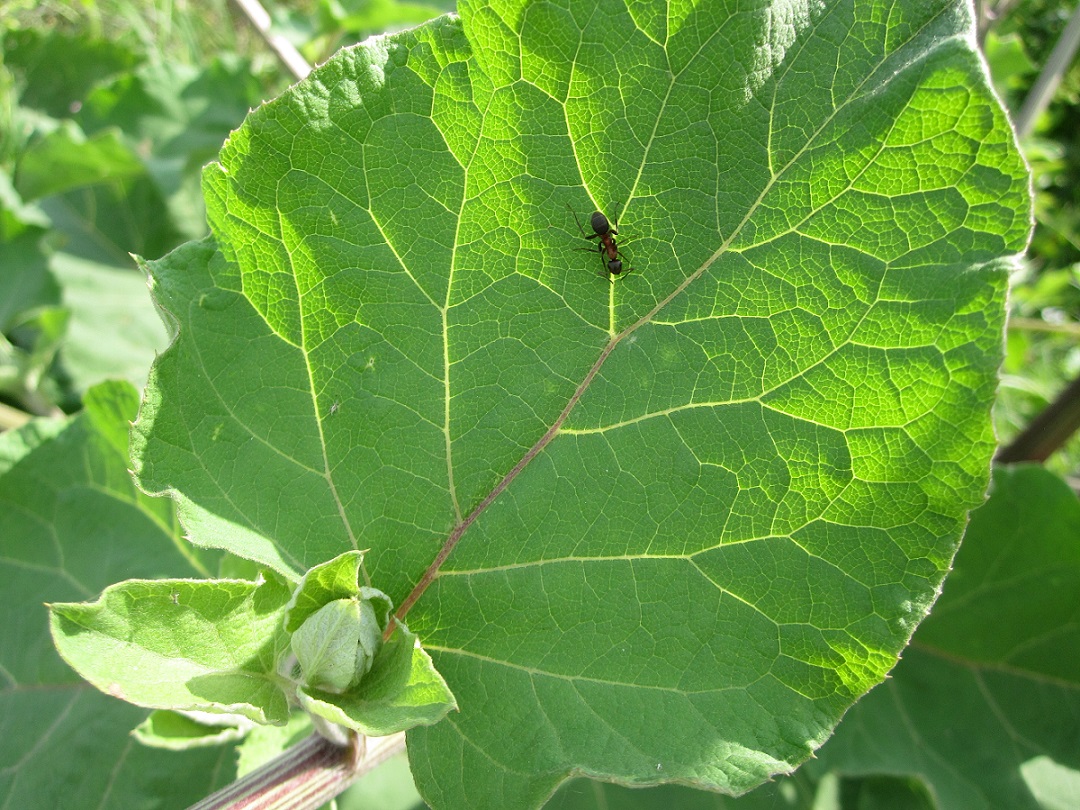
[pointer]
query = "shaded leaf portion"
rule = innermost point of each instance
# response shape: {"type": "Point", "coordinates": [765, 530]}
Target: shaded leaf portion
{"type": "Point", "coordinates": [1009, 601]}
{"type": "Point", "coordinates": [72, 746]}
{"type": "Point", "coordinates": [71, 522]}
{"type": "Point", "coordinates": [57, 70]}
{"type": "Point", "coordinates": [583, 794]}
{"type": "Point", "coordinates": [66, 159]}
{"type": "Point", "coordinates": [25, 283]}
{"type": "Point", "coordinates": [671, 526]}
{"type": "Point", "coordinates": [997, 658]}
{"type": "Point", "coordinates": [1018, 740]}
{"type": "Point", "coordinates": [178, 731]}
{"type": "Point", "coordinates": [113, 331]}
{"type": "Point", "coordinates": [182, 644]}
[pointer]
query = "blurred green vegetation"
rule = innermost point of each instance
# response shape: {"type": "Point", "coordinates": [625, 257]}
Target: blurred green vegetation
{"type": "Point", "coordinates": [1043, 346]}
{"type": "Point", "coordinates": [109, 109]}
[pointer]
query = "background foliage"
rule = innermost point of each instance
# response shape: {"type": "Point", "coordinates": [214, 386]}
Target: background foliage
{"type": "Point", "coordinates": [108, 112]}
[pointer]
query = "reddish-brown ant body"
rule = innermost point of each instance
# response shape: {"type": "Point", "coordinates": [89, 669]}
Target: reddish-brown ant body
{"type": "Point", "coordinates": [606, 232]}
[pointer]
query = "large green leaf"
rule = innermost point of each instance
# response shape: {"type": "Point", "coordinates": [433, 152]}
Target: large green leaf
{"type": "Point", "coordinates": [664, 528]}
{"type": "Point", "coordinates": [71, 522]}
{"type": "Point", "coordinates": [985, 706]}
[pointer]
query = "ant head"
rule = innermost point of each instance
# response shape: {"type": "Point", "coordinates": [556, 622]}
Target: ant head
{"type": "Point", "coordinates": [599, 223]}
{"type": "Point", "coordinates": [614, 266]}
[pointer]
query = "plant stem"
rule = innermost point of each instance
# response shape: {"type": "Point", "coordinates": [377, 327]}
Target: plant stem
{"type": "Point", "coordinates": [1048, 431]}
{"type": "Point", "coordinates": [306, 776]}
{"type": "Point", "coordinates": [1040, 94]}
{"type": "Point", "coordinates": [11, 418]}
{"type": "Point", "coordinates": [987, 13]}
{"type": "Point", "coordinates": [1039, 325]}
{"type": "Point", "coordinates": [285, 50]}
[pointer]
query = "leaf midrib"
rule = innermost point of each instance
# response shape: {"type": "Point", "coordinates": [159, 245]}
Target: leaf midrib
{"type": "Point", "coordinates": [462, 526]}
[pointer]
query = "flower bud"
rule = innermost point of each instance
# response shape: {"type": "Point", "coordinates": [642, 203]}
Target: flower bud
{"type": "Point", "coordinates": [336, 645]}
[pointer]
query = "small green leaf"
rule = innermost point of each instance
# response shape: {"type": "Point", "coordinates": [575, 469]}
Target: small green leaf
{"type": "Point", "coordinates": [66, 159]}
{"type": "Point", "coordinates": [182, 644]}
{"type": "Point", "coordinates": [338, 578]}
{"type": "Point", "coordinates": [403, 690]}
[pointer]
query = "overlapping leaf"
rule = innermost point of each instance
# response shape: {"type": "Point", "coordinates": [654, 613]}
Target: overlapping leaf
{"type": "Point", "coordinates": [984, 707]}
{"type": "Point", "coordinates": [182, 644]}
{"type": "Point", "coordinates": [691, 515]}
{"type": "Point", "coordinates": [71, 522]}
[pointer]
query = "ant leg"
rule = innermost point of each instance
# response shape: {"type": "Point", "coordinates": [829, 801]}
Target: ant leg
{"type": "Point", "coordinates": [615, 219]}
{"type": "Point", "coordinates": [578, 221]}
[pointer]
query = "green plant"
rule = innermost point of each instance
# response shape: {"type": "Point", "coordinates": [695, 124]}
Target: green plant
{"type": "Point", "coordinates": [700, 509]}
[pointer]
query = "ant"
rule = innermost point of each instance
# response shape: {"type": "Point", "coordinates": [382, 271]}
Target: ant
{"type": "Point", "coordinates": [606, 232]}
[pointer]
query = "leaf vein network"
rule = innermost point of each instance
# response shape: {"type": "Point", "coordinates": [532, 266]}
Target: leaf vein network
{"type": "Point", "coordinates": [482, 751]}
{"type": "Point", "coordinates": [534, 672]}
{"type": "Point", "coordinates": [253, 436]}
{"type": "Point", "coordinates": [617, 337]}
{"type": "Point", "coordinates": [632, 558]}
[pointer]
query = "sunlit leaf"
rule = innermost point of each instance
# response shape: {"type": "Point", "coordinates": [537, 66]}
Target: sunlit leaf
{"type": "Point", "coordinates": [665, 527]}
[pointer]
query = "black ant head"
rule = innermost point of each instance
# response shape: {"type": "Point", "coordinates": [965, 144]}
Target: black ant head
{"type": "Point", "coordinates": [614, 266]}
{"type": "Point", "coordinates": [599, 223]}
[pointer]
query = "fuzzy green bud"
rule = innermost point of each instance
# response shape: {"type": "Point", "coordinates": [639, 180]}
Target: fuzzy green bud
{"type": "Point", "coordinates": [336, 645]}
